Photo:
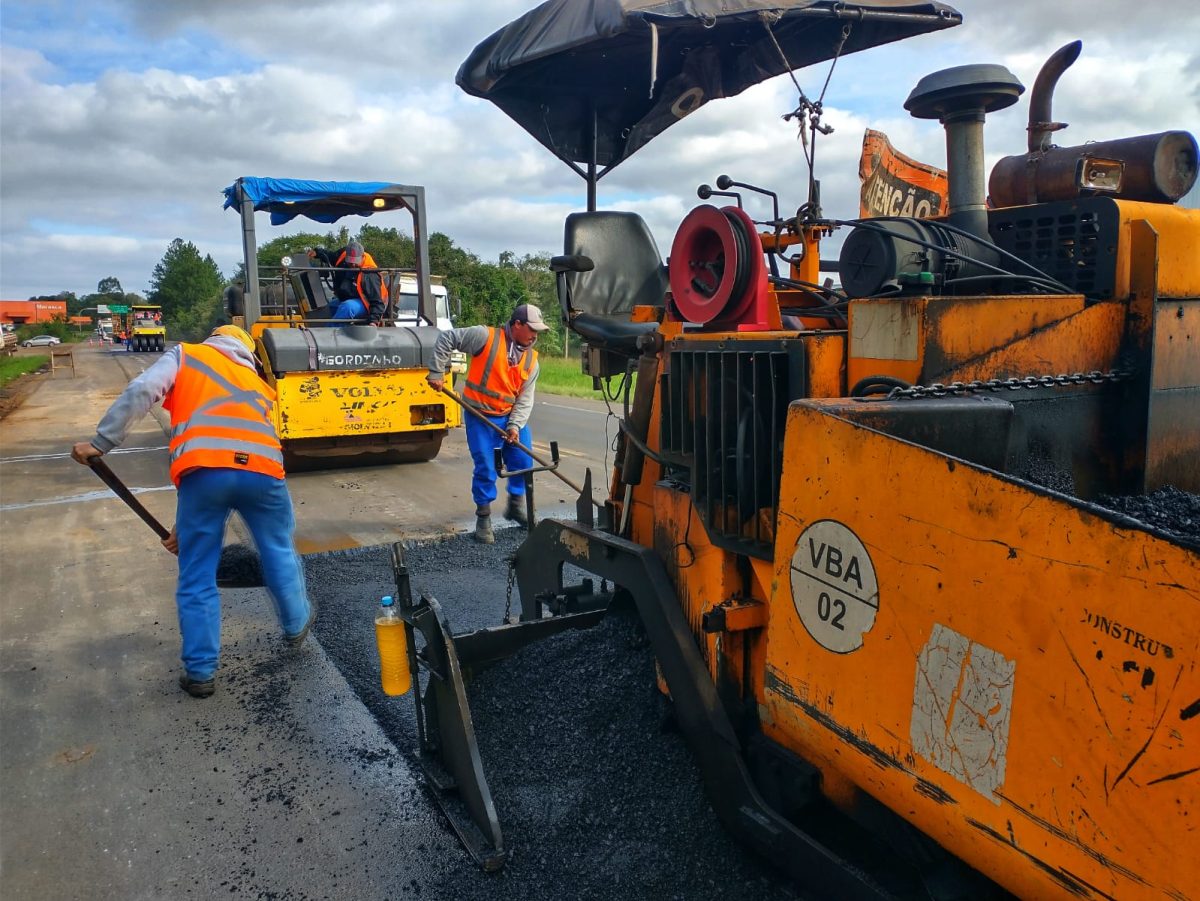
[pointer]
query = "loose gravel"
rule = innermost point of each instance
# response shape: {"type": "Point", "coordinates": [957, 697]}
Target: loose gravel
{"type": "Point", "coordinates": [596, 796]}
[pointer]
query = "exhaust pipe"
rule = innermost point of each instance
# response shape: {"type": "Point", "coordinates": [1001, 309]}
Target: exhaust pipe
{"type": "Point", "coordinates": [1158, 168]}
{"type": "Point", "coordinates": [1041, 126]}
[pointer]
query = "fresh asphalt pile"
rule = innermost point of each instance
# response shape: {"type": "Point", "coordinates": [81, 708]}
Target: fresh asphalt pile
{"type": "Point", "coordinates": [1167, 509]}
{"type": "Point", "coordinates": [596, 796]}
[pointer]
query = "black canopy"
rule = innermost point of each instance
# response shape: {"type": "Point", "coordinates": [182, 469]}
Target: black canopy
{"type": "Point", "coordinates": [635, 67]}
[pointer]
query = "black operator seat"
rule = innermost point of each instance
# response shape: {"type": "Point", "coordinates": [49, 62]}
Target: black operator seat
{"type": "Point", "coordinates": [309, 285]}
{"type": "Point", "coordinates": [626, 271]}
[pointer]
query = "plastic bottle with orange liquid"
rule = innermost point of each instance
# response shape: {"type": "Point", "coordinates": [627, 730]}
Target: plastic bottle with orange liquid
{"type": "Point", "coordinates": [394, 674]}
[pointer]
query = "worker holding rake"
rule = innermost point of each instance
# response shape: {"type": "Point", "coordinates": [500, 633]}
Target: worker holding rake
{"type": "Point", "coordinates": [224, 456]}
{"type": "Point", "coordinates": [500, 384]}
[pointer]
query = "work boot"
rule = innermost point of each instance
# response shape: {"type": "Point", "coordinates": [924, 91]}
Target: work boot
{"type": "Point", "coordinates": [483, 525]}
{"type": "Point", "coordinates": [515, 511]}
{"type": "Point", "coordinates": [483, 530]}
{"type": "Point", "coordinates": [197, 688]}
{"type": "Point", "coordinates": [294, 641]}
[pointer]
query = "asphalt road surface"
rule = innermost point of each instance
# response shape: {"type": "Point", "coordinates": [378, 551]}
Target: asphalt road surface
{"type": "Point", "coordinates": [113, 783]}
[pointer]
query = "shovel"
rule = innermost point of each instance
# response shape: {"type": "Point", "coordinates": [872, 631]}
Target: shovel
{"type": "Point", "coordinates": [239, 567]}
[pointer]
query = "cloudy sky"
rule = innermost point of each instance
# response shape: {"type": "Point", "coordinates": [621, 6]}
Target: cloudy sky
{"type": "Point", "coordinates": [122, 120]}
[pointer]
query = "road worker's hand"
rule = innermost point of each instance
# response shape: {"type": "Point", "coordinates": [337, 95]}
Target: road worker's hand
{"type": "Point", "coordinates": [512, 435]}
{"type": "Point", "coordinates": [84, 451]}
{"type": "Point", "coordinates": [171, 542]}
{"type": "Point", "coordinates": [434, 382]}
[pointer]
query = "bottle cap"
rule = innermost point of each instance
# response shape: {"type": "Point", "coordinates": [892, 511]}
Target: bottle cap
{"type": "Point", "coordinates": [387, 601]}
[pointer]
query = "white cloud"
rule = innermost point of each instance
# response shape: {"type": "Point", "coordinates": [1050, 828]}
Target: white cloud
{"type": "Point", "coordinates": [109, 168]}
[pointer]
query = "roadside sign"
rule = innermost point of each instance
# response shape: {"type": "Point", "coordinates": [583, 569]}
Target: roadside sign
{"type": "Point", "coordinates": [118, 308]}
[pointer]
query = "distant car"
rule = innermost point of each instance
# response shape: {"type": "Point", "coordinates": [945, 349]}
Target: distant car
{"type": "Point", "coordinates": [40, 341]}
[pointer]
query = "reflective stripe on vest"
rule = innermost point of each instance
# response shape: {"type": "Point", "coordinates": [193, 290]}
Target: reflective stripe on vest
{"type": "Point", "coordinates": [492, 383]}
{"type": "Point", "coordinates": [229, 423]}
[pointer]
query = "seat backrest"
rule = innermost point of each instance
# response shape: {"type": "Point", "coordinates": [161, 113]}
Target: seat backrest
{"type": "Point", "coordinates": [628, 269]}
{"type": "Point", "coordinates": [307, 283]}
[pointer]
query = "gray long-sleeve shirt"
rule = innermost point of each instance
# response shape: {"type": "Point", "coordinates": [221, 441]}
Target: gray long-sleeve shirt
{"type": "Point", "coordinates": [151, 387]}
{"type": "Point", "coordinates": [473, 339]}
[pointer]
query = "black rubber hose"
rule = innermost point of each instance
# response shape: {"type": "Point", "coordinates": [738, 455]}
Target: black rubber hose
{"type": "Point", "coordinates": [877, 384]}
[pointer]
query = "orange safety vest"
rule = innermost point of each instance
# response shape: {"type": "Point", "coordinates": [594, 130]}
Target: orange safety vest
{"type": "Point", "coordinates": [220, 416]}
{"type": "Point", "coordinates": [368, 263]}
{"type": "Point", "coordinates": [492, 383]}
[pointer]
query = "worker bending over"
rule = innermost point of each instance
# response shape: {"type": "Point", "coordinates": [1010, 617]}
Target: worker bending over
{"type": "Point", "coordinates": [500, 384]}
{"type": "Point", "coordinates": [224, 456]}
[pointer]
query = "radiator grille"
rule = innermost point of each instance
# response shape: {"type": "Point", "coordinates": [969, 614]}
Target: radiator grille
{"type": "Point", "coordinates": [725, 408]}
{"type": "Point", "coordinates": [1072, 241]}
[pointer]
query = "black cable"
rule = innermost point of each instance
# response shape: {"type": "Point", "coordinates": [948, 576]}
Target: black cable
{"type": "Point", "coordinates": [686, 532]}
{"type": "Point", "coordinates": [1004, 253]}
{"type": "Point", "coordinates": [1027, 279]}
{"type": "Point", "coordinates": [866, 386]}
{"type": "Point", "coordinates": [928, 245]}
{"type": "Point", "coordinates": [811, 287]}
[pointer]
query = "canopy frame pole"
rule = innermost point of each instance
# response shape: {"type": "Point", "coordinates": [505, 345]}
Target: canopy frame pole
{"type": "Point", "coordinates": [251, 297]}
{"type": "Point", "coordinates": [593, 152]}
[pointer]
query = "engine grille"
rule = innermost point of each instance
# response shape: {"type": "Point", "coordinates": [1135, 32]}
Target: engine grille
{"type": "Point", "coordinates": [1073, 241]}
{"type": "Point", "coordinates": [725, 408]}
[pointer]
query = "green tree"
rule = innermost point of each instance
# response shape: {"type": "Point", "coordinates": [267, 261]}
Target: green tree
{"type": "Point", "coordinates": [112, 287]}
{"type": "Point", "coordinates": [389, 248]}
{"type": "Point", "coordinates": [188, 288]}
{"type": "Point", "coordinates": [488, 294]}
{"type": "Point", "coordinates": [542, 289]}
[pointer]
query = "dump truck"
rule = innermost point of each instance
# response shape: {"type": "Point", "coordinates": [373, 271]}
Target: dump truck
{"type": "Point", "coordinates": [894, 537]}
{"type": "Point", "coordinates": [347, 391]}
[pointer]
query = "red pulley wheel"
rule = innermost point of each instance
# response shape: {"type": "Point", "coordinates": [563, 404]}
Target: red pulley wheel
{"type": "Point", "coordinates": [712, 264]}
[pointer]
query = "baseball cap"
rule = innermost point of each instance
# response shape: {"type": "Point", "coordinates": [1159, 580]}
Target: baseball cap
{"type": "Point", "coordinates": [531, 316]}
{"type": "Point", "coordinates": [232, 331]}
{"type": "Point", "coordinates": [354, 253]}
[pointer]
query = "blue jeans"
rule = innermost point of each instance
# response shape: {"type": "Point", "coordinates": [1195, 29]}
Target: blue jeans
{"type": "Point", "coordinates": [482, 443]}
{"type": "Point", "coordinates": [206, 498]}
{"type": "Point", "coordinates": [350, 309]}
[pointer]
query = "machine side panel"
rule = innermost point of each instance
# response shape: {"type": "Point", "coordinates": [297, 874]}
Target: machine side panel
{"type": "Point", "coordinates": [331, 404]}
{"type": "Point", "coordinates": [1012, 670]}
{"type": "Point", "coordinates": [1174, 432]}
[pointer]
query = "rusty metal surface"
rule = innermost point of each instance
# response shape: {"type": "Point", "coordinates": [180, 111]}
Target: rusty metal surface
{"type": "Point", "coordinates": [1159, 168]}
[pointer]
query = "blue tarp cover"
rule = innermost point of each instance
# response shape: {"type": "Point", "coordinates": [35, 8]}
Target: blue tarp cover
{"type": "Point", "coordinates": [322, 201]}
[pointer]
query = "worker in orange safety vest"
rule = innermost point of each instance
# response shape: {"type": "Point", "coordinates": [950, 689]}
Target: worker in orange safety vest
{"type": "Point", "coordinates": [224, 456]}
{"type": "Point", "coordinates": [500, 384]}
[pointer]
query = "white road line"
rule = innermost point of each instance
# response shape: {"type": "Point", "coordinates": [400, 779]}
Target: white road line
{"type": "Point", "coordinates": [28, 458]}
{"type": "Point", "coordinates": [562, 451]}
{"type": "Point", "coordinates": [79, 498]}
{"type": "Point", "coordinates": [568, 407]}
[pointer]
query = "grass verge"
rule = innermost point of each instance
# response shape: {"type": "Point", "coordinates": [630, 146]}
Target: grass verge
{"type": "Point", "coordinates": [16, 366]}
{"type": "Point", "coordinates": [562, 376]}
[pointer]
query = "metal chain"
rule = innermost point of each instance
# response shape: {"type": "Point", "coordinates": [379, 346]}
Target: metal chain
{"type": "Point", "coordinates": [512, 578]}
{"type": "Point", "coordinates": [937, 389]}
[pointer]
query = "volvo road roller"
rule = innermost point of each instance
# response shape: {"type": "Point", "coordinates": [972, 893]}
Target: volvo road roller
{"type": "Point", "coordinates": [348, 391]}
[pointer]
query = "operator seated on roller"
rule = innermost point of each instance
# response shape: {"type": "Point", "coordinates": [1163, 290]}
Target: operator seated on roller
{"type": "Point", "coordinates": [500, 384]}
{"type": "Point", "coordinates": [358, 288]}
